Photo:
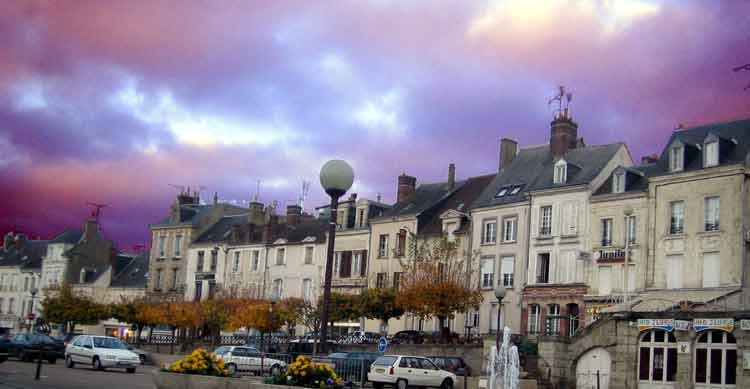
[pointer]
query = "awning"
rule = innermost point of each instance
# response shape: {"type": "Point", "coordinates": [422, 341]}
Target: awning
{"type": "Point", "coordinates": [672, 300]}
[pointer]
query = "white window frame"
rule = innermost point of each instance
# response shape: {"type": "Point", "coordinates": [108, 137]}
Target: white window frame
{"type": "Point", "coordinates": [676, 158]}
{"type": "Point", "coordinates": [178, 246]}
{"type": "Point", "coordinates": [711, 270]}
{"type": "Point", "coordinates": [554, 310]}
{"type": "Point", "coordinates": [311, 259]}
{"type": "Point", "coordinates": [652, 345]}
{"type": "Point", "coordinates": [236, 262]}
{"type": "Point", "coordinates": [676, 225]}
{"type": "Point", "coordinates": [545, 220]}
{"type": "Point", "coordinates": [255, 260]}
{"type": "Point", "coordinates": [487, 276]}
{"type": "Point", "coordinates": [535, 311]}
{"type": "Point", "coordinates": [489, 231]}
{"type": "Point", "coordinates": [356, 263]}
{"type": "Point", "coordinates": [711, 154]}
{"type": "Point", "coordinates": [280, 256]}
{"type": "Point", "coordinates": [383, 246]}
{"type": "Point", "coordinates": [278, 288]}
{"type": "Point", "coordinates": [162, 246]}
{"type": "Point", "coordinates": [631, 229]}
{"type": "Point", "coordinates": [510, 224]}
{"type": "Point", "coordinates": [607, 224]}
{"type": "Point", "coordinates": [618, 182]}
{"type": "Point", "coordinates": [507, 262]}
{"type": "Point", "coordinates": [307, 289]}
{"type": "Point", "coordinates": [674, 277]}
{"type": "Point", "coordinates": [537, 273]}
{"type": "Point", "coordinates": [712, 213]}
{"type": "Point", "coordinates": [605, 280]}
{"type": "Point", "coordinates": [561, 172]}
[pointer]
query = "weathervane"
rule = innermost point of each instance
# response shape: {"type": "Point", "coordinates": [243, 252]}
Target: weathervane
{"type": "Point", "coordinates": [563, 101]}
{"type": "Point", "coordinates": [96, 212]}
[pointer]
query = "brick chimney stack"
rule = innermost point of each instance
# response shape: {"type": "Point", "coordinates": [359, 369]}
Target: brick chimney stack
{"type": "Point", "coordinates": [451, 176]}
{"type": "Point", "coordinates": [407, 187]}
{"type": "Point", "coordinates": [647, 159]}
{"type": "Point", "coordinates": [564, 134]}
{"type": "Point", "coordinates": [255, 214]}
{"type": "Point", "coordinates": [90, 229]}
{"type": "Point", "coordinates": [293, 214]}
{"type": "Point", "coordinates": [508, 151]}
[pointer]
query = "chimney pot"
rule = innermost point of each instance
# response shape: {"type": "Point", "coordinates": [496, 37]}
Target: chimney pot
{"type": "Point", "coordinates": [564, 135]}
{"type": "Point", "coordinates": [451, 176]}
{"type": "Point", "coordinates": [407, 187]}
{"type": "Point", "coordinates": [508, 151]}
{"type": "Point", "coordinates": [293, 214]}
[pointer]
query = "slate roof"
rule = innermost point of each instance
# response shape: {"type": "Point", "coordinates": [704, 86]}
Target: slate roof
{"type": "Point", "coordinates": [193, 214]}
{"type": "Point", "coordinates": [533, 169]}
{"type": "Point", "coordinates": [425, 196]}
{"type": "Point", "coordinates": [28, 257]}
{"type": "Point", "coordinates": [296, 233]}
{"type": "Point", "coordinates": [460, 200]}
{"type": "Point", "coordinates": [69, 237]}
{"type": "Point", "coordinates": [131, 271]}
{"type": "Point", "coordinates": [222, 229]}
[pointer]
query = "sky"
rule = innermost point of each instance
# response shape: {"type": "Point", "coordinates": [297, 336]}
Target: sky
{"type": "Point", "coordinates": [122, 102]}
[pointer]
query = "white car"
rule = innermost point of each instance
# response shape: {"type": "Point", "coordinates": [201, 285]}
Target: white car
{"type": "Point", "coordinates": [404, 371]}
{"type": "Point", "coordinates": [239, 359]}
{"type": "Point", "coordinates": [100, 352]}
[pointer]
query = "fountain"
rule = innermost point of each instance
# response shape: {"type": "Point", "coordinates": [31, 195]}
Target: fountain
{"type": "Point", "coordinates": [504, 365]}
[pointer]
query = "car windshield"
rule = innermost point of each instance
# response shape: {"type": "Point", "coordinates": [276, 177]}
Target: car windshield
{"type": "Point", "coordinates": [109, 343]}
{"type": "Point", "coordinates": [42, 339]}
{"type": "Point", "coordinates": [385, 361]}
{"type": "Point", "coordinates": [221, 350]}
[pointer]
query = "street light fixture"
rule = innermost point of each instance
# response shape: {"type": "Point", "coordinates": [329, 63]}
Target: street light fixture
{"type": "Point", "coordinates": [336, 177]}
{"type": "Point", "coordinates": [33, 292]}
{"type": "Point", "coordinates": [628, 212]}
{"type": "Point", "coordinates": [500, 295]}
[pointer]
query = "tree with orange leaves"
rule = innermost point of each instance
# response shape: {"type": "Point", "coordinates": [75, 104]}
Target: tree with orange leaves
{"type": "Point", "coordinates": [437, 281]}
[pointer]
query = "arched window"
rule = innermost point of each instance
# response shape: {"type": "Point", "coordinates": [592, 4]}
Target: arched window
{"type": "Point", "coordinates": [715, 360]}
{"type": "Point", "coordinates": [657, 357]}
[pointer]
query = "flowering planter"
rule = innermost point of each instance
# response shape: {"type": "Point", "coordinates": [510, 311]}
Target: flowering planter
{"type": "Point", "coordinates": [166, 380]}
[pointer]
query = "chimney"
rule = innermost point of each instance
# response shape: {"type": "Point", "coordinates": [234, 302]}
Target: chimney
{"type": "Point", "coordinates": [451, 176]}
{"type": "Point", "coordinates": [407, 186]}
{"type": "Point", "coordinates": [90, 229]}
{"type": "Point", "coordinates": [293, 214]}
{"type": "Point", "coordinates": [647, 159]}
{"type": "Point", "coordinates": [20, 241]}
{"type": "Point", "coordinates": [255, 214]}
{"type": "Point", "coordinates": [185, 198]}
{"type": "Point", "coordinates": [564, 134]}
{"type": "Point", "coordinates": [508, 150]}
{"type": "Point", "coordinates": [268, 229]}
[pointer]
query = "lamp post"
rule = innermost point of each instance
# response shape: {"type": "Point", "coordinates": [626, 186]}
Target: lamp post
{"type": "Point", "coordinates": [336, 177]}
{"type": "Point", "coordinates": [500, 295]}
{"type": "Point", "coordinates": [628, 212]}
{"type": "Point", "coordinates": [33, 292]}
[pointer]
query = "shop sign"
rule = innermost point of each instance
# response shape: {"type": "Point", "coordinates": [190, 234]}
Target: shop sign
{"type": "Point", "coordinates": [204, 276]}
{"type": "Point", "coordinates": [745, 325]}
{"type": "Point", "coordinates": [683, 325]}
{"type": "Point", "coordinates": [713, 324]}
{"type": "Point", "coordinates": [657, 324]}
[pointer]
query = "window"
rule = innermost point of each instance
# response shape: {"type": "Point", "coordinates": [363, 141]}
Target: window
{"type": "Point", "coordinates": [515, 190]}
{"type": "Point", "coordinates": [396, 280]}
{"type": "Point", "coordinates": [712, 208]}
{"type": "Point", "coordinates": [489, 235]}
{"type": "Point", "coordinates": [401, 244]}
{"type": "Point", "coordinates": [178, 246]}
{"type": "Point", "coordinates": [631, 230]}
{"type": "Point", "coordinates": [534, 313]}
{"type": "Point", "coordinates": [605, 280]}
{"type": "Point", "coordinates": [657, 357]}
{"type": "Point", "coordinates": [2, 302]}
{"type": "Point", "coordinates": [309, 255]}
{"type": "Point", "coordinates": [716, 359]}
{"type": "Point", "coordinates": [158, 279]}
{"type": "Point", "coordinates": [256, 260]}
{"type": "Point", "coordinates": [307, 289]}
{"type": "Point", "coordinates": [675, 158]}
{"type": "Point", "coordinates": [162, 243]}
{"type": "Point", "coordinates": [606, 232]}
{"type": "Point", "coordinates": [542, 269]}
{"type": "Point", "coordinates": [674, 275]}
{"type": "Point", "coordinates": [488, 272]}
{"type": "Point", "coordinates": [236, 263]}
{"type": "Point", "coordinates": [278, 288]}
{"type": "Point", "coordinates": [11, 305]}
{"type": "Point", "coordinates": [345, 264]}
{"type": "Point", "coordinates": [214, 259]}
{"type": "Point", "coordinates": [561, 172]}
{"type": "Point", "coordinates": [509, 229]}
{"type": "Point", "coordinates": [174, 278]}
{"type": "Point", "coordinates": [506, 268]}
{"type": "Point", "coordinates": [618, 183]}
{"type": "Point", "coordinates": [201, 260]}
{"type": "Point", "coordinates": [356, 263]}
{"type": "Point", "coordinates": [198, 290]}
{"type": "Point", "coordinates": [361, 217]}
{"type": "Point", "coordinates": [502, 192]}
{"type": "Point", "coordinates": [554, 322]}
{"type": "Point", "coordinates": [545, 223]}
{"type": "Point", "coordinates": [380, 280]}
{"type": "Point", "coordinates": [677, 217]}
{"type": "Point", "coordinates": [383, 246]}
{"type": "Point", "coordinates": [711, 270]}
{"type": "Point", "coordinates": [711, 154]}
{"type": "Point", "coordinates": [280, 254]}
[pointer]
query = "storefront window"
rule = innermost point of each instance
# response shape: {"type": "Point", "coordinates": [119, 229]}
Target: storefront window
{"type": "Point", "coordinates": [715, 360]}
{"type": "Point", "coordinates": [657, 357]}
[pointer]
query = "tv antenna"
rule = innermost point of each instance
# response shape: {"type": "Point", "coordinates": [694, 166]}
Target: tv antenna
{"type": "Point", "coordinates": [257, 191]}
{"type": "Point", "coordinates": [305, 192]}
{"type": "Point", "coordinates": [97, 210]}
{"type": "Point", "coordinates": [563, 100]}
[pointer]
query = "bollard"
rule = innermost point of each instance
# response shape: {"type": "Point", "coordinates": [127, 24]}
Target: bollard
{"type": "Point", "coordinates": [39, 364]}
{"type": "Point", "coordinates": [466, 382]}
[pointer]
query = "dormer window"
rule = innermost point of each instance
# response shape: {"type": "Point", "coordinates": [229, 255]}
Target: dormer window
{"type": "Point", "coordinates": [618, 182]}
{"type": "Point", "coordinates": [561, 172]}
{"type": "Point", "coordinates": [676, 158]}
{"type": "Point", "coordinates": [501, 192]}
{"type": "Point", "coordinates": [711, 154]}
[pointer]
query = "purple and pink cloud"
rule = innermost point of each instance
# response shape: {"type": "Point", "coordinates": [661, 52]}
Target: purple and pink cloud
{"type": "Point", "coordinates": [112, 102]}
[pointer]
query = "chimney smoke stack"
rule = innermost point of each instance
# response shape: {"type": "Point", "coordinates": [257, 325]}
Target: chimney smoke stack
{"type": "Point", "coordinates": [508, 151]}
{"type": "Point", "coordinates": [451, 176]}
{"type": "Point", "coordinates": [407, 187]}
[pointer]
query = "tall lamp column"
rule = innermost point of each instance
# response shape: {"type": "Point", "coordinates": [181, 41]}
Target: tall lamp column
{"type": "Point", "coordinates": [500, 295]}
{"type": "Point", "coordinates": [336, 177]}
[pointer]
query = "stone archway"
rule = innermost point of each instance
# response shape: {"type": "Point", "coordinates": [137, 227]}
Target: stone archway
{"type": "Point", "coordinates": [593, 369]}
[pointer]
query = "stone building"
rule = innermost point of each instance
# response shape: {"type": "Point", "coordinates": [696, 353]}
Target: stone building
{"type": "Point", "coordinates": [20, 269]}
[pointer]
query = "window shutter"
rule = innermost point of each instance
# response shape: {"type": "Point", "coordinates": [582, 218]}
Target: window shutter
{"type": "Point", "coordinates": [346, 264]}
{"type": "Point", "coordinates": [363, 264]}
{"type": "Point", "coordinates": [532, 271]}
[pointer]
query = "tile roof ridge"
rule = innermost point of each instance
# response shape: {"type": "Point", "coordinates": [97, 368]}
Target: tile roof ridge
{"type": "Point", "coordinates": [697, 125]}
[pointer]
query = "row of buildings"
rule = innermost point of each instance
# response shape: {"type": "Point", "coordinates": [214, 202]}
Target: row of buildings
{"type": "Point", "coordinates": [551, 225]}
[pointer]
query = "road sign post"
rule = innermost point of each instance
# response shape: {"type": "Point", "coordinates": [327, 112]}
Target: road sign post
{"type": "Point", "coordinates": [382, 344]}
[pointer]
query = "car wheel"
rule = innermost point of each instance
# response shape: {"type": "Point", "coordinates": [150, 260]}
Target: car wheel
{"type": "Point", "coordinates": [69, 362]}
{"type": "Point", "coordinates": [377, 385]}
{"type": "Point", "coordinates": [275, 370]}
{"type": "Point", "coordinates": [52, 361]}
{"type": "Point", "coordinates": [447, 384]}
{"type": "Point", "coordinates": [97, 364]}
{"type": "Point", "coordinates": [402, 384]}
{"type": "Point", "coordinates": [232, 368]}
{"type": "Point", "coordinates": [143, 359]}
{"type": "Point", "coordinates": [130, 370]}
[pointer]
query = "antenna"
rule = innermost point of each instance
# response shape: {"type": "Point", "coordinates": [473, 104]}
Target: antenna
{"type": "Point", "coordinates": [97, 211]}
{"type": "Point", "coordinates": [257, 191]}
{"type": "Point", "coordinates": [305, 191]}
{"type": "Point", "coordinates": [563, 100]}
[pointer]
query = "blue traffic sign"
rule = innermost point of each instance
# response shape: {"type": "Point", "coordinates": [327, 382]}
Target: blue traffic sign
{"type": "Point", "coordinates": [382, 344]}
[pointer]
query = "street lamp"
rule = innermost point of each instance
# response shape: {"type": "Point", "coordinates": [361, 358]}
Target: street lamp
{"type": "Point", "coordinates": [33, 291]}
{"type": "Point", "coordinates": [500, 295]}
{"type": "Point", "coordinates": [336, 177]}
{"type": "Point", "coordinates": [628, 212]}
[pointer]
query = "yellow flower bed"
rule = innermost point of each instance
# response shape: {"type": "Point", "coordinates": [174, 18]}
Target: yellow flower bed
{"type": "Point", "coordinates": [304, 372]}
{"type": "Point", "coordinates": [199, 362]}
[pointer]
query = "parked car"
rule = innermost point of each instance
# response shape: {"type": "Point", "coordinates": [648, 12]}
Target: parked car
{"type": "Point", "coordinates": [408, 337]}
{"type": "Point", "coordinates": [4, 344]}
{"type": "Point", "coordinates": [352, 365]}
{"type": "Point", "coordinates": [27, 347]}
{"type": "Point", "coordinates": [240, 359]}
{"type": "Point", "coordinates": [440, 337]}
{"type": "Point", "coordinates": [403, 371]}
{"type": "Point", "coordinates": [298, 347]}
{"type": "Point", "coordinates": [455, 365]}
{"type": "Point", "coordinates": [142, 355]}
{"type": "Point", "coordinates": [101, 352]}
{"type": "Point", "coordinates": [67, 337]}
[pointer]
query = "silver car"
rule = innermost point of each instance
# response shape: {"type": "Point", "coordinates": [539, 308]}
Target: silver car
{"type": "Point", "coordinates": [239, 359]}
